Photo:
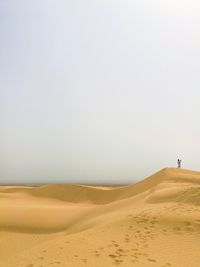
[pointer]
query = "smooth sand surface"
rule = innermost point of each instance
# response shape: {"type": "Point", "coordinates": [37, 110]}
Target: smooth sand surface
{"type": "Point", "coordinates": [155, 222]}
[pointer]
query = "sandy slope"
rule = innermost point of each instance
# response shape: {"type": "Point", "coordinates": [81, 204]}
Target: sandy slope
{"type": "Point", "coordinates": [155, 222]}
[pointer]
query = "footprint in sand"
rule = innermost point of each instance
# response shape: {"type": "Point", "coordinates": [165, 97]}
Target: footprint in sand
{"type": "Point", "coordinates": [134, 261]}
{"type": "Point", "coordinates": [165, 232]}
{"type": "Point", "coordinates": [96, 253]}
{"type": "Point", "coordinates": [117, 262]}
{"type": "Point", "coordinates": [112, 256]}
{"type": "Point", "coordinates": [177, 228]}
{"type": "Point", "coordinates": [188, 223]}
{"type": "Point", "coordinates": [120, 252]}
{"type": "Point", "coordinates": [152, 260]}
{"type": "Point", "coordinates": [136, 257]}
{"type": "Point", "coordinates": [56, 262]}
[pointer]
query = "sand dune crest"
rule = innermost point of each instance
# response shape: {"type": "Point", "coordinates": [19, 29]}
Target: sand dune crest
{"type": "Point", "coordinates": [145, 224]}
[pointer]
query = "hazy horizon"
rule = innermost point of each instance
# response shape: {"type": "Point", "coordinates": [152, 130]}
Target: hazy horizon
{"type": "Point", "coordinates": [98, 91]}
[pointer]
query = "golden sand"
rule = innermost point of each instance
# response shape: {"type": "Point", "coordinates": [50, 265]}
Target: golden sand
{"type": "Point", "coordinates": [155, 222]}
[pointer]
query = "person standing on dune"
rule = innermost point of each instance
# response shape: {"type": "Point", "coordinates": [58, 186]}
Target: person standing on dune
{"type": "Point", "coordinates": [179, 163]}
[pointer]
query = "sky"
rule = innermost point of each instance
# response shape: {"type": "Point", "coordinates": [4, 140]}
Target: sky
{"type": "Point", "coordinates": [98, 91]}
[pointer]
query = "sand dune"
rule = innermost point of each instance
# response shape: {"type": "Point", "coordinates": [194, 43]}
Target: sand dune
{"type": "Point", "coordinates": [155, 222]}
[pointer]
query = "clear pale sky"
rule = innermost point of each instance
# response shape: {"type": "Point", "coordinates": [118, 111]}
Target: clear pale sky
{"type": "Point", "coordinates": [98, 91]}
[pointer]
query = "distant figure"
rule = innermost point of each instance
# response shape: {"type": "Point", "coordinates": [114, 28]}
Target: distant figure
{"type": "Point", "coordinates": [179, 163]}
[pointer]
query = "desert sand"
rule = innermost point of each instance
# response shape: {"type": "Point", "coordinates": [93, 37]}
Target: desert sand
{"type": "Point", "coordinates": [155, 222]}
